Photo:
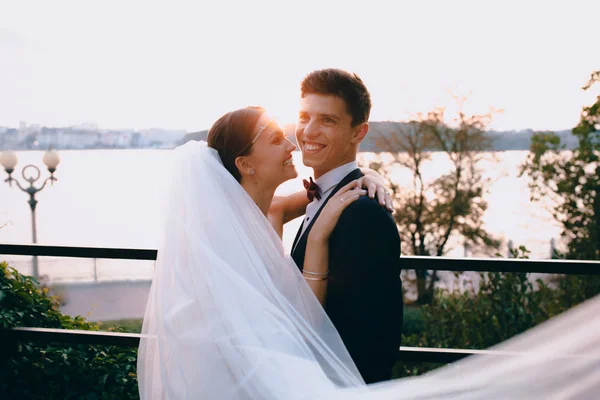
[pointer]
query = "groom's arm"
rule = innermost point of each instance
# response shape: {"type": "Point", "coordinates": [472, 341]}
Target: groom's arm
{"type": "Point", "coordinates": [365, 242]}
{"type": "Point", "coordinates": [365, 294]}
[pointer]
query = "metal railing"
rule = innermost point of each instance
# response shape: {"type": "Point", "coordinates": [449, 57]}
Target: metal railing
{"type": "Point", "coordinates": [10, 337]}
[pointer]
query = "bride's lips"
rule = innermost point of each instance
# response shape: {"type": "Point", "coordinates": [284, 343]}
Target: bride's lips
{"type": "Point", "coordinates": [289, 162]}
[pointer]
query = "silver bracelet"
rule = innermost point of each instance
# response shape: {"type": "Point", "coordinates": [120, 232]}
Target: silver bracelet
{"type": "Point", "coordinates": [315, 273]}
{"type": "Point", "coordinates": [323, 278]}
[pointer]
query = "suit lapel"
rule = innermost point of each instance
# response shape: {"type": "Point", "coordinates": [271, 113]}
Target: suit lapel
{"type": "Point", "coordinates": [300, 242]}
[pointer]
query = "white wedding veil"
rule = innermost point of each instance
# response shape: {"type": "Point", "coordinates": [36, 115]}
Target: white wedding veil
{"type": "Point", "coordinates": [558, 359]}
{"type": "Point", "coordinates": [230, 317]}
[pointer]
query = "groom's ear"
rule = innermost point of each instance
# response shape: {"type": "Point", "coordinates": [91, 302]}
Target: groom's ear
{"type": "Point", "coordinates": [360, 132]}
{"type": "Point", "coordinates": [243, 165]}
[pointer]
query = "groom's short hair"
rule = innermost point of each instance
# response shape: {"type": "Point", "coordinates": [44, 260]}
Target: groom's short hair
{"type": "Point", "coordinates": [348, 86]}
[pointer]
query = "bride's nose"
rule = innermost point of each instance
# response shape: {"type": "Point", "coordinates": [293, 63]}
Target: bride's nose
{"type": "Point", "coordinates": [291, 146]}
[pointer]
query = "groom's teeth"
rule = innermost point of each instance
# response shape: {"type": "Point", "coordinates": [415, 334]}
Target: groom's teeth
{"type": "Point", "coordinates": [288, 162]}
{"type": "Point", "coordinates": [312, 147]}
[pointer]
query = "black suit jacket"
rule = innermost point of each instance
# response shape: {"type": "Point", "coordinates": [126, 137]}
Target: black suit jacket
{"type": "Point", "coordinates": [364, 293]}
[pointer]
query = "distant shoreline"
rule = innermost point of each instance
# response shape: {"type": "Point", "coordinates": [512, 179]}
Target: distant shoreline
{"type": "Point", "coordinates": [166, 140]}
{"type": "Point", "coordinates": [501, 140]}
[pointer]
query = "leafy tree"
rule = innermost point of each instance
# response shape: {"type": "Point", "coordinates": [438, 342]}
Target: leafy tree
{"type": "Point", "coordinates": [572, 180]}
{"type": "Point", "coordinates": [428, 214]}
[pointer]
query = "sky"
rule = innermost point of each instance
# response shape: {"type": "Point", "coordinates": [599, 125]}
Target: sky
{"type": "Point", "coordinates": [180, 65]}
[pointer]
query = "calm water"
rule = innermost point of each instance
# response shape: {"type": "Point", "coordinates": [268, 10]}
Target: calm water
{"type": "Point", "coordinates": [111, 198]}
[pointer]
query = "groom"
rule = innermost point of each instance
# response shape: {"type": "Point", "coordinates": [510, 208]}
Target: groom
{"type": "Point", "coordinates": [364, 292]}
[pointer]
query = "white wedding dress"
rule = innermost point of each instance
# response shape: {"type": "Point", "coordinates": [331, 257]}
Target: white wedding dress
{"type": "Point", "coordinates": [230, 317]}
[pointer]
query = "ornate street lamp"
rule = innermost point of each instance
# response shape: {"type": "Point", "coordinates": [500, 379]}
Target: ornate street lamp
{"type": "Point", "coordinates": [31, 174]}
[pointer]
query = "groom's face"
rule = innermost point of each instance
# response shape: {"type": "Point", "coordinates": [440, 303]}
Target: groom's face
{"type": "Point", "coordinates": [325, 134]}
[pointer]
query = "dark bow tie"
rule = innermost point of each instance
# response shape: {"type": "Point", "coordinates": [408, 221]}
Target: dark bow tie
{"type": "Point", "coordinates": [312, 189]}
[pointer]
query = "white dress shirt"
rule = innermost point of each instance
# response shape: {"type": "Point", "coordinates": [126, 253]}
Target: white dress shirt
{"type": "Point", "coordinates": [327, 183]}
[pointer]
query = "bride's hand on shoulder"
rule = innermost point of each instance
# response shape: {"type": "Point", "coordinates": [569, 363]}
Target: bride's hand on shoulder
{"type": "Point", "coordinates": [330, 215]}
{"type": "Point", "coordinates": [376, 185]}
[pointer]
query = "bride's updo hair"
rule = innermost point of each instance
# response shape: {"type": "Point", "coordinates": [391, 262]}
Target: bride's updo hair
{"type": "Point", "coordinates": [232, 136]}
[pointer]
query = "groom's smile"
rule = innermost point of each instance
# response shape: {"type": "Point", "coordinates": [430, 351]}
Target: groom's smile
{"type": "Point", "coordinates": [312, 147]}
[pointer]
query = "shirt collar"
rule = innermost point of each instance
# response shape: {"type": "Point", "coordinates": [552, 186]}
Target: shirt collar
{"type": "Point", "coordinates": [330, 179]}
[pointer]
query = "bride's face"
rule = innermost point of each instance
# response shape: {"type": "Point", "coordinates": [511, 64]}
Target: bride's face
{"type": "Point", "coordinates": [271, 155]}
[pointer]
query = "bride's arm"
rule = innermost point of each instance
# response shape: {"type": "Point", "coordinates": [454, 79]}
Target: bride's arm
{"type": "Point", "coordinates": [290, 207]}
{"type": "Point", "coordinates": [286, 208]}
{"type": "Point", "coordinates": [316, 260]}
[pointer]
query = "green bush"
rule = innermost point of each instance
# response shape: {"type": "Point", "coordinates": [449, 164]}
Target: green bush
{"type": "Point", "coordinates": [505, 305]}
{"type": "Point", "coordinates": [49, 371]}
{"type": "Point", "coordinates": [413, 322]}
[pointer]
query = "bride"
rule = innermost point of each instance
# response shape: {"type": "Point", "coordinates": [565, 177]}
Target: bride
{"type": "Point", "coordinates": [230, 316]}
